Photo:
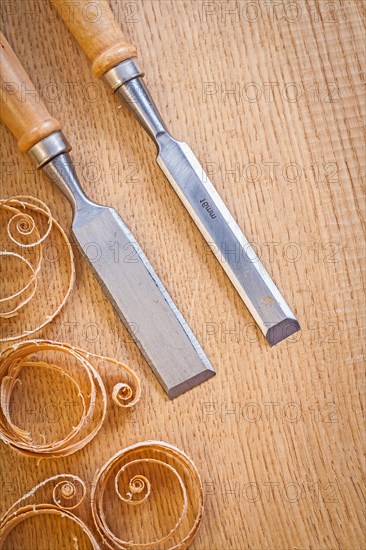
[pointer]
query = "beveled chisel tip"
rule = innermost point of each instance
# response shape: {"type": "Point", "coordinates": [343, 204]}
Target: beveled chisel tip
{"type": "Point", "coordinates": [190, 383]}
{"type": "Point", "coordinates": [282, 330]}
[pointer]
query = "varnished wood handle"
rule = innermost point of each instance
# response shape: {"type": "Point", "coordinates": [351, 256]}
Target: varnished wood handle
{"type": "Point", "coordinates": [21, 108]}
{"type": "Point", "coordinates": [94, 26]}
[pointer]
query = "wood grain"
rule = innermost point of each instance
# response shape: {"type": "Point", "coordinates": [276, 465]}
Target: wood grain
{"type": "Point", "coordinates": [271, 100]}
{"type": "Point", "coordinates": [21, 107]}
{"type": "Point", "coordinates": [99, 34]}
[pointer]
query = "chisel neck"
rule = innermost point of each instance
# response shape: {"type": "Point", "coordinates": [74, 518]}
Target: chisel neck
{"type": "Point", "coordinates": [126, 81]}
{"type": "Point", "coordinates": [51, 154]}
{"type": "Point", "coordinates": [62, 172]}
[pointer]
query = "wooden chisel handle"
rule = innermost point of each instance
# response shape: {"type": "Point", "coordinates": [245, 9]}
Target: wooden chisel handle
{"type": "Point", "coordinates": [21, 108]}
{"type": "Point", "coordinates": [96, 30]}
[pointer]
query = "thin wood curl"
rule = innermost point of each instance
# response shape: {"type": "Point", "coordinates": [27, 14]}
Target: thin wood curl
{"type": "Point", "coordinates": [21, 224]}
{"type": "Point", "coordinates": [93, 398]}
{"type": "Point", "coordinates": [168, 452]}
{"type": "Point", "coordinates": [41, 501]}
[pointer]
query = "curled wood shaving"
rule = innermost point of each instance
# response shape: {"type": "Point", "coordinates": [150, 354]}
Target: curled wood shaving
{"type": "Point", "coordinates": [90, 388]}
{"type": "Point", "coordinates": [59, 496]}
{"type": "Point", "coordinates": [27, 244]}
{"type": "Point", "coordinates": [139, 489]}
{"type": "Point", "coordinates": [62, 495]}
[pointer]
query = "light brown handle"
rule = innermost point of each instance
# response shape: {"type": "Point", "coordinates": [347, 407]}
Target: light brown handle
{"type": "Point", "coordinates": [93, 25]}
{"type": "Point", "coordinates": [21, 108]}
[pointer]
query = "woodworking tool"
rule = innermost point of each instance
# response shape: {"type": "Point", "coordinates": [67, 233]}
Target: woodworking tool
{"type": "Point", "coordinates": [98, 33]}
{"type": "Point", "coordinates": [118, 262]}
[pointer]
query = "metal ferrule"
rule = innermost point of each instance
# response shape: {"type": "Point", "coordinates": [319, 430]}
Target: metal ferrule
{"type": "Point", "coordinates": [125, 80]}
{"type": "Point", "coordinates": [51, 155]}
{"type": "Point", "coordinates": [123, 72]}
{"type": "Point", "coordinates": [136, 97]}
{"type": "Point", "coordinates": [48, 148]}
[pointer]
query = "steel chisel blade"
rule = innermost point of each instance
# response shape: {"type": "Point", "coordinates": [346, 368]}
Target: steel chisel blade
{"type": "Point", "coordinates": [138, 295]}
{"type": "Point", "coordinates": [237, 257]}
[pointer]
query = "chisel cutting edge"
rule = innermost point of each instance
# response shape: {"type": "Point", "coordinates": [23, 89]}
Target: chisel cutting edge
{"type": "Point", "coordinates": [114, 59]}
{"type": "Point", "coordinates": [123, 270]}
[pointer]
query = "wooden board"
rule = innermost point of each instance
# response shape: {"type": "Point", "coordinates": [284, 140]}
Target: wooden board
{"type": "Point", "coordinates": [270, 97]}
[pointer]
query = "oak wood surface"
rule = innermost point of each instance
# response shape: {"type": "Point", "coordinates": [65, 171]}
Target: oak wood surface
{"type": "Point", "coordinates": [271, 100]}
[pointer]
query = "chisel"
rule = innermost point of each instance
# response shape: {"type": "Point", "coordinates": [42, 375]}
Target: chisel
{"type": "Point", "coordinates": [127, 277]}
{"type": "Point", "coordinates": [113, 58]}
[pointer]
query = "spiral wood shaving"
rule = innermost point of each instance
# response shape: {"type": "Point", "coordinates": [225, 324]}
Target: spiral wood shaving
{"type": "Point", "coordinates": [27, 247]}
{"type": "Point", "coordinates": [62, 495]}
{"type": "Point", "coordinates": [139, 489]}
{"type": "Point", "coordinates": [92, 393]}
{"type": "Point", "coordinates": [59, 496]}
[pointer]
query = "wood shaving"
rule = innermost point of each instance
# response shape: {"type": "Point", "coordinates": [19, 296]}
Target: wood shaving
{"type": "Point", "coordinates": [63, 495]}
{"type": "Point", "coordinates": [26, 245]}
{"type": "Point", "coordinates": [59, 496]}
{"type": "Point", "coordinates": [138, 490]}
{"type": "Point", "coordinates": [91, 390]}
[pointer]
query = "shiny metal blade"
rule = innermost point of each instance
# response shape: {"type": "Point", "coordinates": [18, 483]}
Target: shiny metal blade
{"type": "Point", "coordinates": [237, 257]}
{"type": "Point", "coordinates": [127, 277]}
{"type": "Point", "coordinates": [209, 212]}
{"type": "Point", "coordinates": [141, 300]}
